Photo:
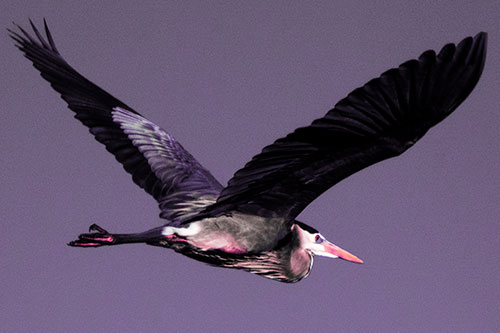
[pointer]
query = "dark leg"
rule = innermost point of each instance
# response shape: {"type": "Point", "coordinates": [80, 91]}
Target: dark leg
{"type": "Point", "coordinates": [101, 237]}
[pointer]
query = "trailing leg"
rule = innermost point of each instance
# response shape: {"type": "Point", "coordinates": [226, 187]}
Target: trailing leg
{"type": "Point", "coordinates": [102, 237]}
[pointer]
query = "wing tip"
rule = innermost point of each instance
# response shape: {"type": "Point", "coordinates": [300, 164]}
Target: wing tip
{"type": "Point", "coordinates": [481, 35]}
{"type": "Point", "coordinates": [27, 40]}
{"type": "Point", "coordinates": [480, 43]}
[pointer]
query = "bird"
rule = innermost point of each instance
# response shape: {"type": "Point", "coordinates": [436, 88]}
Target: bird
{"type": "Point", "coordinates": [250, 224]}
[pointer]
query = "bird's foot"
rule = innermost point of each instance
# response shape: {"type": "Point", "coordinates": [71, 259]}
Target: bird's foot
{"type": "Point", "coordinates": [94, 239]}
{"type": "Point", "coordinates": [98, 229]}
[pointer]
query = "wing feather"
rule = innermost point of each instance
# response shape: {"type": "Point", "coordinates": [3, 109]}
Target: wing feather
{"type": "Point", "coordinates": [380, 120]}
{"type": "Point", "coordinates": [156, 161]}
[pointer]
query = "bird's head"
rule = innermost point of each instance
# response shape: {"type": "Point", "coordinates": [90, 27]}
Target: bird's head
{"type": "Point", "coordinates": [311, 240]}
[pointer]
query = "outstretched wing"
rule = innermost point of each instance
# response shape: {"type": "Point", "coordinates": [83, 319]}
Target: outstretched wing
{"type": "Point", "coordinates": [156, 161]}
{"type": "Point", "coordinates": [377, 121]}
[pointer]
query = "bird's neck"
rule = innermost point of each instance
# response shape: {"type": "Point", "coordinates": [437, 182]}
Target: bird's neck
{"type": "Point", "coordinates": [300, 262]}
{"type": "Point", "coordinates": [296, 260]}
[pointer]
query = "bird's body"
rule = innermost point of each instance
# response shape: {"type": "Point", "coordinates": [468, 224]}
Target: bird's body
{"type": "Point", "coordinates": [250, 224]}
{"type": "Point", "coordinates": [224, 242]}
{"type": "Point", "coordinates": [234, 233]}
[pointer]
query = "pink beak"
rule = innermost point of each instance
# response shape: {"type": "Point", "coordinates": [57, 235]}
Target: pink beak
{"type": "Point", "coordinates": [341, 253]}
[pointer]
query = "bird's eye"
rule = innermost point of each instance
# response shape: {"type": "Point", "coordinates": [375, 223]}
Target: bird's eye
{"type": "Point", "coordinates": [318, 239]}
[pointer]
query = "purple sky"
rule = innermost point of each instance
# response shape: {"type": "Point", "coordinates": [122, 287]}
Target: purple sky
{"type": "Point", "coordinates": [227, 78]}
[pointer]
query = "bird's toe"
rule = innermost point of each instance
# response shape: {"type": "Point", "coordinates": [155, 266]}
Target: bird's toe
{"type": "Point", "coordinates": [82, 243]}
{"type": "Point", "coordinates": [95, 227]}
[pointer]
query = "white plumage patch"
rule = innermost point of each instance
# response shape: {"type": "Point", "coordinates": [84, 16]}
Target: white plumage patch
{"type": "Point", "coordinates": [191, 230]}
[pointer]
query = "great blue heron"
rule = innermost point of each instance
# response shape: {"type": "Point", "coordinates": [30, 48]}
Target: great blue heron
{"type": "Point", "coordinates": [250, 224]}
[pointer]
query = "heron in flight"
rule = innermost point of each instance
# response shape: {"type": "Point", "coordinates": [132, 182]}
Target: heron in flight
{"type": "Point", "coordinates": [250, 224]}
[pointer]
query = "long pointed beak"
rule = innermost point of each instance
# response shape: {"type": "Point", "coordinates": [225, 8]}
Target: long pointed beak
{"type": "Point", "coordinates": [340, 253]}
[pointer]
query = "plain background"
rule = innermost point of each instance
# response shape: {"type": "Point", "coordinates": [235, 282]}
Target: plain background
{"type": "Point", "coordinates": [227, 78]}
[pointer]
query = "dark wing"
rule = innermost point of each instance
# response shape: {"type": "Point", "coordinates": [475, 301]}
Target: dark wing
{"type": "Point", "coordinates": [157, 163]}
{"type": "Point", "coordinates": [377, 121]}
